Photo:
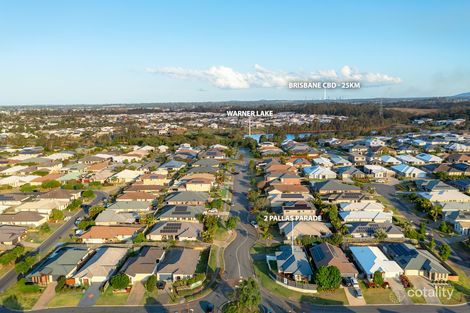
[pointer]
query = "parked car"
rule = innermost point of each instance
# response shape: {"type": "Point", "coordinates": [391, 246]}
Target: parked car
{"type": "Point", "coordinates": [254, 224]}
{"type": "Point", "coordinates": [161, 284]}
{"type": "Point", "coordinates": [347, 281]}
{"type": "Point", "coordinates": [354, 282]}
{"type": "Point", "coordinates": [358, 293]}
{"type": "Point", "coordinates": [209, 308]}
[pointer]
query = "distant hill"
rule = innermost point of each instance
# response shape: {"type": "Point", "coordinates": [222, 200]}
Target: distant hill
{"type": "Point", "coordinates": [465, 95]}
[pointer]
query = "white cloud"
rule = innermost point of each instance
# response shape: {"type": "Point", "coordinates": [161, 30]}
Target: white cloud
{"type": "Point", "coordinates": [228, 78]}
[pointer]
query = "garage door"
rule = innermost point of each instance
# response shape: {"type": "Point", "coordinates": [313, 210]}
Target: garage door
{"type": "Point", "coordinates": [165, 277]}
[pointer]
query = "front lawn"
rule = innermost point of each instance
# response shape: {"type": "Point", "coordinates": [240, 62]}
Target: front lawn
{"type": "Point", "coordinates": [20, 296]}
{"type": "Point", "coordinates": [110, 298]}
{"type": "Point", "coordinates": [66, 299]}
{"type": "Point", "coordinates": [415, 298]}
{"type": "Point", "coordinates": [336, 297]}
{"type": "Point", "coordinates": [378, 295]}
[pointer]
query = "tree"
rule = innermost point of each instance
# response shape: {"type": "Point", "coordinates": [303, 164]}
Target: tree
{"type": "Point", "coordinates": [378, 278]}
{"type": "Point", "coordinates": [95, 210]}
{"type": "Point", "coordinates": [60, 283]}
{"type": "Point", "coordinates": [56, 215]}
{"type": "Point", "coordinates": [27, 188]}
{"type": "Point", "coordinates": [435, 211]}
{"type": "Point", "coordinates": [336, 239]}
{"type": "Point", "coordinates": [248, 295]}
{"type": "Point", "coordinates": [443, 227]}
{"type": "Point", "coordinates": [380, 234]}
{"type": "Point", "coordinates": [139, 238]}
{"type": "Point", "coordinates": [24, 266]}
{"type": "Point", "coordinates": [328, 277]}
{"type": "Point", "coordinates": [120, 281]}
{"type": "Point", "coordinates": [232, 222]}
{"type": "Point", "coordinates": [432, 244]}
{"type": "Point", "coordinates": [88, 194]}
{"type": "Point", "coordinates": [150, 283]}
{"type": "Point", "coordinates": [50, 184]}
{"type": "Point", "coordinates": [444, 251]}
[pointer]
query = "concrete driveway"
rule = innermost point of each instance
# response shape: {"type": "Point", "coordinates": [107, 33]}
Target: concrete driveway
{"type": "Point", "coordinates": [136, 294]}
{"type": "Point", "coordinates": [422, 284]}
{"type": "Point", "coordinates": [399, 290]}
{"type": "Point", "coordinates": [46, 296]}
{"type": "Point", "coordinates": [351, 296]}
{"type": "Point", "coordinates": [90, 296]}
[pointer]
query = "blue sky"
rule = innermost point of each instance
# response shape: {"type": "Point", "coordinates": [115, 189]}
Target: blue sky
{"type": "Point", "coordinates": [66, 52]}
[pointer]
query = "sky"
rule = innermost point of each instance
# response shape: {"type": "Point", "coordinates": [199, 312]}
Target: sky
{"type": "Point", "coordinates": [111, 51]}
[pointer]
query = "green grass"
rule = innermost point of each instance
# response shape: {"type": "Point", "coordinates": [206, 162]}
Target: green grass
{"type": "Point", "coordinates": [68, 299]}
{"type": "Point", "coordinates": [221, 234]}
{"type": "Point", "coordinates": [38, 236]}
{"type": "Point", "coordinates": [456, 297]}
{"type": "Point", "coordinates": [416, 299]}
{"type": "Point", "coordinates": [110, 298]}
{"type": "Point", "coordinates": [150, 298]}
{"type": "Point", "coordinates": [378, 295]}
{"type": "Point", "coordinates": [5, 269]}
{"type": "Point", "coordinates": [213, 259]}
{"type": "Point", "coordinates": [203, 261]}
{"type": "Point", "coordinates": [16, 298]}
{"type": "Point", "coordinates": [337, 297]}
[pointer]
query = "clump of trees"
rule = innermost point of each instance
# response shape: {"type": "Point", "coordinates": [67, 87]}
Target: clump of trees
{"type": "Point", "coordinates": [328, 278]}
{"type": "Point", "coordinates": [120, 281]}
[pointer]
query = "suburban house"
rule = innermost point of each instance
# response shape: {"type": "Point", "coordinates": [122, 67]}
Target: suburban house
{"type": "Point", "coordinates": [100, 267]}
{"type": "Point", "coordinates": [144, 265]}
{"type": "Point", "coordinates": [188, 198]}
{"type": "Point", "coordinates": [43, 206]}
{"type": "Point", "coordinates": [431, 185]}
{"type": "Point", "coordinates": [445, 196]}
{"type": "Point", "coordinates": [292, 263]}
{"type": "Point", "coordinates": [11, 235]}
{"type": "Point", "coordinates": [410, 160]}
{"type": "Point", "coordinates": [369, 229]}
{"type": "Point", "coordinates": [361, 206]}
{"type": "Point", "coordinates": [350, 172]}
{"type": "Point", "coordinates": [366, 216]}
{"type": "Point", "coordinates": [326, 254]}
{"type": "Point", "coordinates": [416, 262]}
{"type": "Point", "coordinates": [389, 160]}
{"type": "Point", "coordinates": [357, 158]}
{"type": "Point", "coordinates": [429, 158]}
{"type": "Point", "coordinates": [112, 217]}
{"type": "Point", "coordinates": [180, 213]}
{"type": "Point", "coordinates": [462, 223]}
{"type": "Point", "coordinates": [178, 264]}
{"type": "Point", "coordinates": [11, 199]}
{"type": "Point", "coordinates": [29, 219]}
{"type": "Point", "coordinates": [131, 206]}
{"type": "Point", "coordinates": [298, 208]}
{"type": "Point", "coordinates": [318, 172]}
{"type": "Point", "coordinates": [103, 234]}
{"type": "Point", "coordinates": [371, 259]}
{"type": "Point", "coordinates": [136, 196]}
{"type": "Point", "coordinates": [299, 229]}
{"type": "Point", "coordinates": [333, 186]}
{"type": "Point", "coordinates": [63, 262]}
{"type": "Point", "coordinates": [181, 231]}
{"type": "Point", "coordinates": [153, 179]}
{"type": "Point", "coordinates": [378, 172]}
{"type": "Point", "coordinates": [279, 200]}
{"type": "Point", "coordinates": [408, 171]}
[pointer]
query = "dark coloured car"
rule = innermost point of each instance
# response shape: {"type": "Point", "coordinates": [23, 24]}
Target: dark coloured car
{"type": "Point", "coordinates": [209, 308]}
{"type": "Point", "coordinates": [161, 285]}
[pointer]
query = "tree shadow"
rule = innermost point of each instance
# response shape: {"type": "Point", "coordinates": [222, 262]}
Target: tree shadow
{"type": "Point", "coordinates": [11, 302]}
